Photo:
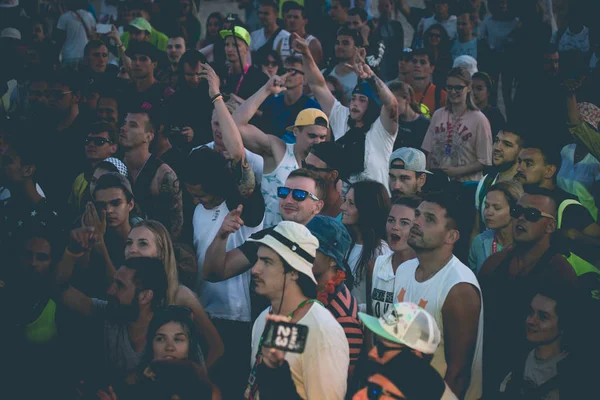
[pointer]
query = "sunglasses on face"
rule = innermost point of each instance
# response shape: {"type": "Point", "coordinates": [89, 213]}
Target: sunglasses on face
{"type": "Point", "coordinates": [292, 71]}
{"type": "Point", "coordinates": [98, 141]}
{"type": "Point", "coordinates": [297, 194]}
{"type": "Point", "coordinates": [455, 88]}
{"type": "Point", "coordinates": [270, 64]}
{"type": "Point", "coordinates": [56, 94]}
{"type": "Point", "coordinates": [531, 214]}
{"type": "Point", "coordinates": [375, 392]}
{"type": "Point", "coordinates": [310, 167]}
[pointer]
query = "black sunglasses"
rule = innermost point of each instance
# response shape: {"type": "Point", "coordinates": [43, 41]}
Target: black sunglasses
{"type": "Point", "coordinates": [310, 167]}
{"type": "Point", "coordinates": [531, 214]}
{"type": "Point", "coordinates": [270, 64]}
{"type": "Point", "coordinates": [98, 141]}
{"type": "Point", "coordinates": [375, 392]}
{"type": "Point", "coordinates": [297, 194]}
{"type": "Point", "coordinates": [293, 71]}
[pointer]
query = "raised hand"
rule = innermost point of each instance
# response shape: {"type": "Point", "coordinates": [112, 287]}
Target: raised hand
{"type": "Point", "coordinates": [187, 133]}
{"type": "Point", "coordinates": [276, 84]}
{"type": "Point", "coordinates": [81, 240]}
{"type": "Point", "coordinates": [299, 44]}
{"type": "Point", "coordinates": [232, 222]}
{"type": "Point", "coordinates": [212, 78]}
{"type": "Point", "coordinates": [91, 218]}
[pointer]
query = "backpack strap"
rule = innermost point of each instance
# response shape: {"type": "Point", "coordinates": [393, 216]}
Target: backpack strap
{"type": "Point", "coordinates": [88, 34]}
{"type": "Point", "coordinates": [561, 209]}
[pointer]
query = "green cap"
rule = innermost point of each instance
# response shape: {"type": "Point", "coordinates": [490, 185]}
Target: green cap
{"type": "Point", "coordinates": [239, 32]}
{"type": "Point", "coordinates": [141, 24]}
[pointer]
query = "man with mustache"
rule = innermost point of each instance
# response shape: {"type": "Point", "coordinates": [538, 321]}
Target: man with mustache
{"type": "Point", "coordinates": [138, 290]}
{"type": "Point", "coordinates": [510, 277]}
{"type": "Point", "coordinates": [507, 145]}
{"type": "Point", "coordinates": [437, 281]}
{"type": "Point", "coordinates": [539, 165]}
{"type": "Point", "coordinates": [407, 174]}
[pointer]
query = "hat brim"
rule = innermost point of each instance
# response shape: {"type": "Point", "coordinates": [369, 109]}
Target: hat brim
{"type": "Point", "coordinates": [226, 33]}
{"type": "Point", "coordinates": [373, 324]}
{"type": "Point", "coordinates": [296, 262]}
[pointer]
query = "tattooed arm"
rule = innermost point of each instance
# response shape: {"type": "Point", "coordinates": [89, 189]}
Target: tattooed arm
{"type": "Point", "coordinates": [389, 111]}
{"type": "Point", "coordinates": [169, 198]}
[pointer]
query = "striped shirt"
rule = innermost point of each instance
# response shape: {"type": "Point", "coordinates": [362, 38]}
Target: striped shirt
{"type": "Point", "coordinates": [344, 308]}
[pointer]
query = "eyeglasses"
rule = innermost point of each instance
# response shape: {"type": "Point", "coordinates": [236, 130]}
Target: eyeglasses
{"type": "Point", "coordinates": [455, 88]}
{"type": "Point", "coordinates": [270, 64]}
{"type": "Point", "coordinates": [382, 348]}
{"type": "Point", "coordinates": [98, 141]}
{"type": "Point", "coordinates": [293, 71]}
{"type": "Point", "coordinates": [375, 392]}
{"type": "Point", "coordinates": [531, 214]}
{"type": "Point", "coordinates": [297, 194]}
{"type": "Point", "coordinates": [56, 94]}
{"type": "Point", "coordinates": [310, 167]}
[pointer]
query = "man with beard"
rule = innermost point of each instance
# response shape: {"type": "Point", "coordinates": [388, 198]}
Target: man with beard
{"type": "Point", "coordinates": [407, 174]}
{"type": "Point", "coordinates": [507, 145]}
{"type": "Point", "coordinates": [169, 74]}
{"type": "Point", "coordinates": [539, 165]}
{"type": "Point", "coordinates": [438, 282]}
{"type": "Point", "coordinates": [190, 108]}
{"type": "Point", "coordinates": [518, 270]}
{"type": "Point", "coordinates": [346, 48]}
{"type": "Point", "coordinates": [406, 338]}
{"type": "Point", "coordinates": [107, 109]}
{"type": "Point", "coordinates": [138, 290]}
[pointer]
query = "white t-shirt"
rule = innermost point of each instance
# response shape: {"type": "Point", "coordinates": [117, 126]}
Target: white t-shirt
{"type": "Point", "coordinates": [384, 279]}
{"type": "Point", "coordinates": [431, 295]}
{"type": "Point", "coordinates": [258, 39]}
{"type": "Point", "coordinates": [322, 370]}
{"type": "Point", "coordinates": [573, 41]}
{"type": "Point", "coordinates": [255, 161]}
{"type": "Point", "coordinates": [497, 33]}
{"type": "Point", "coordinates": [229, 299]}
{"type": "Point", "coordinates": [379, 145]}
{"type": "Point", "coordinates": [359, 291]}
{"type": "Point", "coordinates": [76, 37]}
{"type": "Point", "coordinates": [271, 181]}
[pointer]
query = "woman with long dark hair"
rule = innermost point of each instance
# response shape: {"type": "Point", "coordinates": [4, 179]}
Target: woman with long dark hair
{"type": "Point", "coordinates": [459, 138]}
{"type": "Point", "coordinates": [214, 24]}
{"type": "Point", "coordinates": [438, 43]}
{"type": "Point", "coordinates": [364, 213]}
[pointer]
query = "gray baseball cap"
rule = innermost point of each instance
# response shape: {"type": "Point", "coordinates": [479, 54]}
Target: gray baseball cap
{"type": "Point", "coordinates": [414, 159]}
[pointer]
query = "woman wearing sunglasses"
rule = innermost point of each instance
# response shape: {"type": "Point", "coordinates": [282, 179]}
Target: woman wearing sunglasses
{"type": "Point", "coordinates": [270, 63]}
{"type": "Point", "coordinates": [364, 213]}
{"type": "Point", "coordinates": [501, 198]}
{"type": "Point", "coordinates": [459, 138]}
{"type": "Point", "coordinates": [151, 239]}
{"type": "Point", "coordinates": [438, 43]}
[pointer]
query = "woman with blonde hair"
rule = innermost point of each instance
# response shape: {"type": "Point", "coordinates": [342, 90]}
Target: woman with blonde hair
{"type": "Point", "coordinates": [412, 125]}
{"type": "Point", "coordinates": [151, 239]}
{"type": "Point", "coordinates": [500, 199]}
{"type": "Point", "coordinates": [459, 138]}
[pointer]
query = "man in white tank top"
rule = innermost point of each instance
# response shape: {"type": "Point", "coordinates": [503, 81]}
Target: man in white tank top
{"type": "Point", "coordinates": [295, 20]}
{"type": "Point", "coordinates": [280, 159]}
{"type": "Point", "coordinates": [438, 282]}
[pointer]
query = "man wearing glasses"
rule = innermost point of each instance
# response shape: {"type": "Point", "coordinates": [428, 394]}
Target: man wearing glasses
{"type": "Point", "coordinates": [509, 279]}
{"type": "Point", "coordinates": [100, 144]}
{"type": "Point", "coordinates": [280, 112]}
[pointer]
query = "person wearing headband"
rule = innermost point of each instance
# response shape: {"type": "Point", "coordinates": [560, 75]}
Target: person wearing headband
{"type": "Point", "coordinates": [283, 274]}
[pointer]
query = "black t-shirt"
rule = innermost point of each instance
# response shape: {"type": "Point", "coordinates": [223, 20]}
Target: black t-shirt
{"type": "Point", "coordinates": [497, 121]}
{"type": "Point", "coordinates": [151, 99]}
{"type": "Point", "coordinates": [253, 80]}
{"type": "Point", "coordinates": [575, 216]}
{"type": "Point", "coordinates": [411, 134]}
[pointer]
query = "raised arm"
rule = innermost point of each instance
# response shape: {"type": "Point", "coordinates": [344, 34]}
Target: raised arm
{"type": "Point", "coordinates": [253, 138]}
{"type": "Point", "coordinates": [460, 314]}
{"type": "Point", "coordinates": [314, 77]}
{"type": "Point", "coordinates": [389, 109]}
{"type": "Point", "coordinates": [220, 264]}
{"type": "Point", "coordinates": [114, 34]}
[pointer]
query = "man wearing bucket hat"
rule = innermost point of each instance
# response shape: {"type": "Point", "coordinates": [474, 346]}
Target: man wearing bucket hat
{"type": "Point", "coordinates": [283, 274]}
{"type": "Point", "coordinates": [331, 272]}
{"type": "Point", "coordinates": [408, 172]}
{"type": "Point", "coordinates": [280, 158]}
{"type": "Point", "coordinates": [240, 78]}
{"type": "Point", "coordinates": [406, 338]}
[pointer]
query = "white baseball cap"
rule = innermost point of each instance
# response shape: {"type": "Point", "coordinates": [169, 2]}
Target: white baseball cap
{"type": "Point", "coordinates": [413, 159]}
{"type": "Point", "coordinates": [294, 243]}
{"type": "Point", "coordinates": [407, 324]}
{"type": "Point", "coordinates": [11, 33]}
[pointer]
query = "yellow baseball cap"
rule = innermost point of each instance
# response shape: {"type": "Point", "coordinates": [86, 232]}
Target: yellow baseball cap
{"type": "Point", "coordinates": [310, 116]}
{"type": "Point", "coordinates": [239, 32]}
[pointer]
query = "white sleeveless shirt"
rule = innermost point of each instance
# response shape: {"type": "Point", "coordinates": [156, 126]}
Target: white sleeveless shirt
{"type": "Point", "coordinates": [270, 183]}
{"type": "Point", "coordinates": [285, 50]}
{"type": "Point", "coordinates": [431, 296]}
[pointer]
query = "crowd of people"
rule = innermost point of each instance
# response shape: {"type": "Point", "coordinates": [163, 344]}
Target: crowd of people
{"type": "Point", "coordinates": [425, 204]}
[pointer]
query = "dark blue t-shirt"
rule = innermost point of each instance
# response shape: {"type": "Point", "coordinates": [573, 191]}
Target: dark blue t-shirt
{"type": "Point", "coordinates": [277, 116]}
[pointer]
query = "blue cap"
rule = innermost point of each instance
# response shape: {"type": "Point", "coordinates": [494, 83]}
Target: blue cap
{"type": "Point", "coordinates": [365, 89]}
{"type": "Point", "coordinates": [334, 239]}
